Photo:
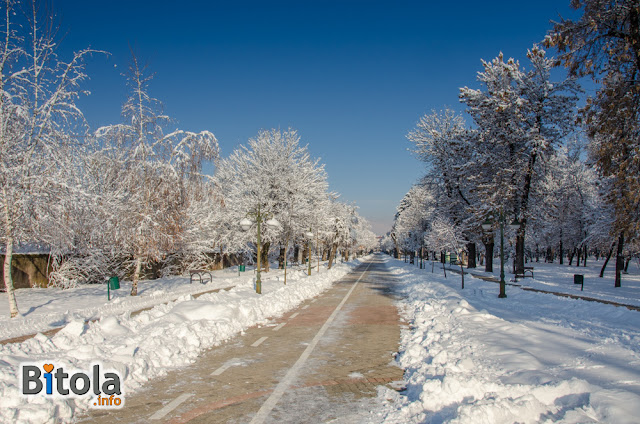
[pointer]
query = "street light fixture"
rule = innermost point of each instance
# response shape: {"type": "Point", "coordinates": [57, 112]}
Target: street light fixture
{"type": "Point", "coordinates": [245, 225]}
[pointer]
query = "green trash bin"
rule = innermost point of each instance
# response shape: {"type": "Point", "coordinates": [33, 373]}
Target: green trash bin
{"type": "Point", "coordinates": [113, 284]}
{"type": "Point", "coordinates": [241, 268]}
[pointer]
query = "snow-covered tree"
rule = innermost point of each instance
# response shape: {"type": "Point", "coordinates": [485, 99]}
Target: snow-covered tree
{"type": "Point", "coordinates": [414, 213]}
{"type": "Point", "coordinates": [155, 169]}
{"type": "Point", "coordinates": [276, 177]}
{"type": "Point", "coordinates": [444, 235]}
{"type": "Point", "coordinates": [38, 117]}
{"type": "Point", "coordinates": [566, 202]}
{"type": "Point", "coordinates": [521, 117]}
{"type": "Point", "coordinates": [364, 239]}
{"type": "Point", "coordinates": [604, 43]}
{"type": "Point", "coordinates": [442, 143]}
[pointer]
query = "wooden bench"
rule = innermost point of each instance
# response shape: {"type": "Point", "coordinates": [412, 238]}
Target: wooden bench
{"type": "Point", "coordinates": [200, 273]}
{"type": "Point", "coordinates": [527, 270]}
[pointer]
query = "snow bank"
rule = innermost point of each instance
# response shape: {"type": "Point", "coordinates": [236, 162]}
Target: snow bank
{"type": "Point", "coordinates": [147, 345]}
{"type": "Point", "coordinates": [473, 358]}
{"type": "Point", "coordinates": [46, 308]}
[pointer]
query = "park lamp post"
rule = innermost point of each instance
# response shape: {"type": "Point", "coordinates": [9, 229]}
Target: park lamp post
{"type": "Point", "coordinates": [246, 224]}
{"type": "Point", "coordinates": [487, 225]}
{"type": "Point", "coordinates": [309, 235]}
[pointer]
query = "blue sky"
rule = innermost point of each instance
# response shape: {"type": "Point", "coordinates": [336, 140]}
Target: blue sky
{"type": "Point", "coordinates": [353, 77]}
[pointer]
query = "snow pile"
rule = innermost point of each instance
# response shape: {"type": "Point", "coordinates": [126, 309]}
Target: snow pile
{"type": "Point", "coordinates": [149, 344]}
{"type": "Point", "coordinates": [473, 358]}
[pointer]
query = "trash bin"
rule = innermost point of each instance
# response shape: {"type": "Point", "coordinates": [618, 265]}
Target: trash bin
{"type": "Point", "coordinates": [579, 279]}
{"type": "Point", "coordinates": [241, 268]}
{"type": "Point", "coordinates": [114, 283]}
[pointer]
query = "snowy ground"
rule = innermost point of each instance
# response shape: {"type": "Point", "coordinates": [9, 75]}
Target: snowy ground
{"type": "Point", "coordinates": [46, 308]}
{"type": "Point", "coordinates": [473, 358]}
{"type": "Point", "coordinates": [559, 278]}
{"type": "Point", "coordinates": [146, 345]}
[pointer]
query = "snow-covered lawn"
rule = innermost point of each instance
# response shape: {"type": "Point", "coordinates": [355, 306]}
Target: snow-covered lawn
{"type": "Point", "coordinates": [473, 358]}
{"type": "Point", "coordinates": [46, 308]}
{"type": "Point", "coordinates": [146, 345]}
{"type": "Point", "coordinates": [559, 278]}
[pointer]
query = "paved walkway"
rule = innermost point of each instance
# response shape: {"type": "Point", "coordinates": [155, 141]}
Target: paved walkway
{"type": "Point", "coordinates": [319, 363]}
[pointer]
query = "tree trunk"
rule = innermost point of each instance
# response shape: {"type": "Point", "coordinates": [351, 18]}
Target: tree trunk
{"type": "Point", "coordinates": [395, 243]}
{"type": "Point", "coordinates": [619, 261]}
{"type": "Point", "coordinates": [332, 254]}
{"type": "Point", "coordinates": [519, 259]}
{"type": "Point", "coordinates": [8, 280]}
{"type": "Point", "coordinates": [571, 255]}
{"type": "Point", "coordinates": [488, 247]}
{"type": "Point", "coordinates": [626, 264]}
{"type": "Point", "coordinates": [606, 261]}
{"type": "Point", "coordinates": [524, 206]}
{"type": "Point", "coordinates": [586, 253]}
{"type": "Point", "coordinates": [471, 261]}
{"type": "Point", "coordinates": [265, 256]}
{"type": "Point", "coordinates": [285, 263]}
{"type": "Point", "coordinates": [136, 276]}
{"type": "Point", "coordinates": [561, 249]}
{"type": "Point", "coordinates": [444, 264]}
{"type": "Point", "coordinates": [281, 257]}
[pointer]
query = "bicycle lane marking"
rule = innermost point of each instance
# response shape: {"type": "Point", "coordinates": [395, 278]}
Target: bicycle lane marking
{"type": "Point", "coordinates": [170, 406]}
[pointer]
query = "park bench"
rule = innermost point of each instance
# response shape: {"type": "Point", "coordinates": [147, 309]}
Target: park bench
{"type": "Point", "coordinates": [200, 273]}
{"type": "Point", "coordinates": [527, 270]}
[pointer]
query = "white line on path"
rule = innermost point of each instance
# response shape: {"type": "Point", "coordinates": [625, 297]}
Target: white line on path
{"type": "Point", "coordinates": [259, 341]}
{"type": "Point", "coordinates": [170, 406]}
{"type": "Point", "coordinates": [305, 306]}
{"type": "Point", "coordinates": [294, 315]}
{"type": "Point", "coordinates": [226, 366]}
{"type": "Point", "coordinates": [279, 326]}
{"type": "Point", "coordinates": [284, 384]}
